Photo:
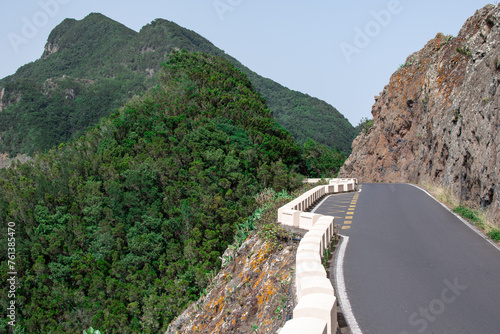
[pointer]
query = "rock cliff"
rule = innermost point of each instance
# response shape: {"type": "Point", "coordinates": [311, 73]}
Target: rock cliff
{"type": "Point", "coordinates": [251, 293]}
{"type": "Point", "coordinates": [438, 118]}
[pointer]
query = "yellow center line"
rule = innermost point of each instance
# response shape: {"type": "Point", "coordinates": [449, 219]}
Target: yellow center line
{"type": "Point", "coordinates": [346, 227]}
{"type": "Point", "coordinates": [349, 213]}
{"type": "Point", "coordinates": [348, 217]}
{"type": "Point", "coordinates": [348, 222]}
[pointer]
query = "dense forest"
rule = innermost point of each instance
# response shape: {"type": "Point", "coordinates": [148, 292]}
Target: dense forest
{"type": "Point", "coordinates": [122, 227]}
{"type": "Point", "coordinates": [93, 66]}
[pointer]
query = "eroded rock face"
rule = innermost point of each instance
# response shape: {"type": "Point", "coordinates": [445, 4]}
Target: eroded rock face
{"type": "Point", "coordinates": [248, 294]}
{"type": "Point", "coordinates": [438, 118]}
{"type": "Point", "coordinates": [49, 49]}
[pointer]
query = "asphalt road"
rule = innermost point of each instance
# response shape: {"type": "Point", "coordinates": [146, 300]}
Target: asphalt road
{"type": "Point", "coordinates": [411, 266]}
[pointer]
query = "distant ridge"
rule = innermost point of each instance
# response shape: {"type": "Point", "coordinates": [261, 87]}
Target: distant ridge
{"type": "Point", "coordinates": [92, 66]}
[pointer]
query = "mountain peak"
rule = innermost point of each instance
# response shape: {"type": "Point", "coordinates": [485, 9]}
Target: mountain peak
{"type": "Point", "coordinates": [88, 32]}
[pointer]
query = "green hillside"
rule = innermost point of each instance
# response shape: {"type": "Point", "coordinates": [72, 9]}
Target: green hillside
{"type": "Point", "coordinates": [93, 66]}
{"type": "Point", "coordinates": [124, 226]}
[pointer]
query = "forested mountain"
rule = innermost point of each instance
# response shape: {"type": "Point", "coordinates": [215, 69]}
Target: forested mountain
{"type": "Point", "coordinates": [122, 227]}
{"type": "Point", "coordinates": [92, 66]}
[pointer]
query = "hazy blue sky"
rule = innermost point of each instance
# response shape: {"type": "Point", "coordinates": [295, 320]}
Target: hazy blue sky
{"type": "Point", "coordinates": [311, 46]}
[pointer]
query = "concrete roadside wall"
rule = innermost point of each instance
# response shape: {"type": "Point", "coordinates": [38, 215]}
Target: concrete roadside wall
{"type": "Point", "coordinates": [316, 309]}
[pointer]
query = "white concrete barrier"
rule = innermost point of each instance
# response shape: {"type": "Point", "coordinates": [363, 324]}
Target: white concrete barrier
{"type": "Point", "coordinates": [313, 284]}
{"type": "Point", "coordinates": [317, 305]}
{"type": "Point", "coordinates": [327, 224]}
{"type": "Point", "coordinates": [319, 233]}
{"type": "Point", "coordinates": [291, 217]}
{"type": "Point", "coordinates": [307, 220]}
{"type": "Point", "coordinates": [315, 240]}
{"type": "Point", "coordinates": [305, 325]}
{"type": "Point", "coordinates": [307, 257]}
{"type": "Point", "coordinates": [309, 269]}
{"type": "Point", "coordinates": [321, 306]}
{"type": "Point", "coordinates": [308, 247]}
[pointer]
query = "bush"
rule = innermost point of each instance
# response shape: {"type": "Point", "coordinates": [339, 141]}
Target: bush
{"type": "Point", "coordinates": [494, 234]}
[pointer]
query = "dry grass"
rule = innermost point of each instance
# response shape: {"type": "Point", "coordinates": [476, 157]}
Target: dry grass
{"type": "Point", "coordinates": [484, 221]}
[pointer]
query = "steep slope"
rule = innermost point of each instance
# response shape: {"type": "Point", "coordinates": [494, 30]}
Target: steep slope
{"type": "Point", "coordinates": [123, 227]}
{"type": "Point", "coordinates": [93, 66]}
{"type": "Point", "coordinates": [438, 118]}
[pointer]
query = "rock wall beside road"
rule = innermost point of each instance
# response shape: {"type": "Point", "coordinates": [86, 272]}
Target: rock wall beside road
{"type": "Point", "coordinates": [438, 118]}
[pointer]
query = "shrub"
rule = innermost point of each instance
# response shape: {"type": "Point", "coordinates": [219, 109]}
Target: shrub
{"type": "Point", "coordinates": [494, 234]}
{"type": "Point", "coordinates": [465, 212]}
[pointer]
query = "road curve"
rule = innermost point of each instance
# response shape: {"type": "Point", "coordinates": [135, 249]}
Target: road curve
{"type": "Point", "coordinates": [411, 266]}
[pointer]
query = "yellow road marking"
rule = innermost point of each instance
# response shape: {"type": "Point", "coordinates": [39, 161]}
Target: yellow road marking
{"type": "Point", "coordinates": [348, 222]}
{"type": "Point", "coordinates": [346, 227]}
{"type": "Point", "coordinates": [349, 213]}
{"type": "Point", "coordinates": [348, 217]}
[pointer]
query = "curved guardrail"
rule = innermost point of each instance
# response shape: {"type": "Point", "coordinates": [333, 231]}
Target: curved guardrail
{"type": "Point", "coordinates": [316, 309]}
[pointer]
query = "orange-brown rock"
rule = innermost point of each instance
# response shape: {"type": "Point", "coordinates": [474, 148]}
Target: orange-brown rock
{"type": "Point", "coordinates": [438, 118]}
{"type": "Point", "coordinates": [248, 295]}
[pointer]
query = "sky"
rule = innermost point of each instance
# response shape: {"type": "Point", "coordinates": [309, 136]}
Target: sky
{"type": "Point", "coordinates": [342, 52]}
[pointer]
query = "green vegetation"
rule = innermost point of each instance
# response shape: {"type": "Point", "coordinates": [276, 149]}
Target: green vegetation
{"type": "Point", "coordinates": [469, 214]}
{"type": "Point", "coordinates": [407, 63]}
{"type": "Point", "coordinates": [121, 228]}
{"type": "Point", "coordinates": [92, 331]}
{"type": "Point", "coordinates": [447, 39]}
{"type": "Point", "coordinates": [464, 50]}
{"type": "Point", "coordinates": [494, 234]}
{"type": "Point", "coordinates": [266, 201]}
{"type": "Point", "coordinates": [479, 221]}
{"type": "Point", "coordinates": [99, 64]}
{"type": "Point", "coordinates": [322, 162]}
{"type": "Point", "coordinates": [365, 124]}
{"type": "Point", "coordinates": [479, 218]}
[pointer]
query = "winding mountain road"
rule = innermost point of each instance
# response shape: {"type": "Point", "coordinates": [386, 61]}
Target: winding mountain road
{"type": "Point", "coordinates": [411, 266]}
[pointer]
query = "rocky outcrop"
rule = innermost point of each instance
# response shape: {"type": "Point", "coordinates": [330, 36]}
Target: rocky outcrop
{"type": "Point", "coordinates": [2, 93]}
{"type": "Point", "coordinates": [250, 293]}
{"type": "Point", "coordinates": [6, 162]}
{"type": "Point", "coordinates": [438, 118]}
{"type": "Point", "coordinates": [49, 49]}
{"type": "Point", "coordinates": [7, 98]}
